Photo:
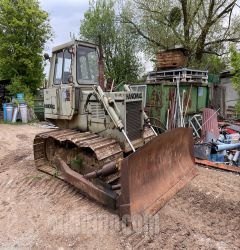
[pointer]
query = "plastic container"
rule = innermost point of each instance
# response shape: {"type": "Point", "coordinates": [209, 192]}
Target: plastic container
{"type": "Point", "coordinates": [9, 109]}
{"type": "Point", "coordinates": [216, 157]}
{"type": "Point", "coordinates": [5, 112]}
{"type": "Point", "coordinates": [15, 112]}
{"type": "Point", "coordinates": [20, 96]}
{"type": "Point", "coordinates": [23, 111]}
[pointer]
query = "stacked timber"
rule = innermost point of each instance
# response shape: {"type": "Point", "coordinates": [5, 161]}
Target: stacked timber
{"type": "Point", "coordinates": [172, 58]}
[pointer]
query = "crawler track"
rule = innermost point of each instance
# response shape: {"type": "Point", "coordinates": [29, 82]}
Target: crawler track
{"type": "Point", "coordinates": [45, 145]}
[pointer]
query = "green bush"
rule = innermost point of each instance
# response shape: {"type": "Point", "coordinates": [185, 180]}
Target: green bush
{"type": "Point", "coordinates": [235, 63]}
{"type": "Point", "coordinates": [17, 86]}
{"type": "Point", "coordinates": [24, 30]}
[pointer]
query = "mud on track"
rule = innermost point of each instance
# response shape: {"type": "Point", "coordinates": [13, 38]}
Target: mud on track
{"type": "Point", "coordinates": [38, 211]}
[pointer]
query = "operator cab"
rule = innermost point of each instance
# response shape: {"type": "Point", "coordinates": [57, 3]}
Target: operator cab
{"type": "Point", "coordinates": [74, 67]}
{"type": "Point", "coordinates": [75, 63]}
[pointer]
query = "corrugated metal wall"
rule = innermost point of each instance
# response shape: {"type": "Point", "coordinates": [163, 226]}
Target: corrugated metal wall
{"type": "Point", "coordinates": [159, 98]}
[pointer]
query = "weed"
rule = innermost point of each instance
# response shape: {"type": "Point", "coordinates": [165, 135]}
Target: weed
{"type": "Point", "coordinates": [34, 177]}
{"type": "Point", "coordinates": [76, 163]}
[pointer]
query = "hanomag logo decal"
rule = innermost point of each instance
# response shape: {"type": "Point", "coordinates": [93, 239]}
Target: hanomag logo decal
{"type": "Point", "coordinates": [49, 106]}
{"type": "Point", "coordinates": [67, 97]}
{"type": "Point", "coordinates": [134, 95]}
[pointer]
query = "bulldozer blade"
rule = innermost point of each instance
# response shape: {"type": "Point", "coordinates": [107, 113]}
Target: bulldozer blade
{"type": "Point", "coordinates": [154, 174]}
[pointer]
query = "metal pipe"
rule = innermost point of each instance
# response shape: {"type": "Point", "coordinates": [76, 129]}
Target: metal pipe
{"type": "Point", "coordinates": [196, 120]}
{"type": "Point", "coordinates": [129, 142]}
{"type": "Point", "coordinates": [111, 112]}
{"type": "Point", "coordinates": [146, 119]}
{"type": "Point", "coordinates": [230, 157]}
{"type": "Point", "coordinates": [182, 118]}
{"type": "Point", "coordinates": [107, 169]}
{"type": "Point", "coordinates": [193, 127]}
{"type": "Point", "coordinates": [112, 86]}
{"type": "Point", "coordinates": [236, 156]}
{"type": "Point", "coordinates": [190, 91]}
{"type": "Point", "coordinates": [227, 146]}
{"type": "Point", "coordinates": [116, 187]}
{"type": "Point", "coordinates": [179, 115]}
{"type": "Point", "coordinates": [153, 130]}
{"type": "Point", "coordinates": [177, 110]}
{"type": "Point", "coordinates": [217, 142]}
{"type": "Point", "coordinates": [167, 119]}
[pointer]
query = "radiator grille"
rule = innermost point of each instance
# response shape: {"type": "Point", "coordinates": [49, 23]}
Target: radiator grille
{"type": "Point", "coordinates": [97, 111]}
{"type": "Point", "coordinates": [133, 119]}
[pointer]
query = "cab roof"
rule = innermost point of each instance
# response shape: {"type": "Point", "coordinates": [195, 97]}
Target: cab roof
{"type": "Point", "coordinates": [73, 42]}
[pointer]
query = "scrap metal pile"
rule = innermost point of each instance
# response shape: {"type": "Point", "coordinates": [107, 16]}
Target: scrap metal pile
{"type": "Point", "coordinates": [219, 145]}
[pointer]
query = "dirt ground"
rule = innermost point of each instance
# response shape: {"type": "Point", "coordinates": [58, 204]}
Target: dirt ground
{"type": "Point", "coordinates": [41, 212]}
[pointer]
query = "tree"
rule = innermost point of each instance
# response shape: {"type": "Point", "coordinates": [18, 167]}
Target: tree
{"type": "Point", "coordinates": [235, 63]}
{"type": "Point", "coordinates": [204, 27]}
{"type": "Point", "coordinates": [24, 29]}
{"type": "Point", "coordinates": [101, 24]}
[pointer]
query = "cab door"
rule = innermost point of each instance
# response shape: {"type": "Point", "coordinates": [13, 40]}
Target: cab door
{"type": "Point", "coordinates": [59, 99]}
{"type": "Point", "coordinates": [66, 92]}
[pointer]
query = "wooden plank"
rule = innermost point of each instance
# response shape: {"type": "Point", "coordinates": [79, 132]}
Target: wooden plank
{"type": "Point", "coordinates": [218, 165]}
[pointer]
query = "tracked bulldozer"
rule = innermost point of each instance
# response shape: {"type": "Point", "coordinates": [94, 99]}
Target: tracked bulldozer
{"type": "Point", "coordinates": [105, 145]}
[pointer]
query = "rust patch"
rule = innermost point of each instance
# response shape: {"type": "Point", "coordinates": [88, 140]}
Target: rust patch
{"type": "Point", "coordinates": [155, 172]}
{"type": "Point", "coordinates": [218, 165]}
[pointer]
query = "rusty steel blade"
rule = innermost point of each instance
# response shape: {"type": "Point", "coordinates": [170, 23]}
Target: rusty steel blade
{"type": "Point", "coordinates": [155, 172]}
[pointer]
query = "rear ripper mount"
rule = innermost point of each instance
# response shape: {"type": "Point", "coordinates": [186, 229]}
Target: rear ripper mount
{"type": "Point", "coordinates": [136, 186]}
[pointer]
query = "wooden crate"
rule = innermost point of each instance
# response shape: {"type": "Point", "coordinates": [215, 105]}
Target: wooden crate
{"type": "Point", "coordinates": [174, 58]}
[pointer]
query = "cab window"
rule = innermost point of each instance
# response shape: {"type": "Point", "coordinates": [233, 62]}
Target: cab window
{"type": "Point", "coordinates": [58, 68]}
{"type": "Point", "coordinates": [67, 65]}
{"type": "Point", "coordinates": [87, 64]}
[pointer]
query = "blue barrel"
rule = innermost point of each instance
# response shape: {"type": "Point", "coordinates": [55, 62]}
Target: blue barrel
{"type": "Point", "coordinates": [9, 108]}
{"type": "Point", "coordinates": [5, 112]}
{"type": "Point", "coordinates": [20, 97]}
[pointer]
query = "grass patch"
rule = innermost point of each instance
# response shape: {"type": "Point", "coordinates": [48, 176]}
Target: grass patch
{"type": "Point", "coordinates": [11, 123]}
{"type": "Point", "coordinates": [34, 177]}
{"type": "Point", "coordinates": [56, 173]}
{"type": "Point", "coordinates": [19, 122]}
{"type": "Point", "coordinates": [77, 163]}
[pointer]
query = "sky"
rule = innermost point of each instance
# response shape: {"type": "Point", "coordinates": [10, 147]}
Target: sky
{"type": "Point", "coordinates": [65, 17]}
